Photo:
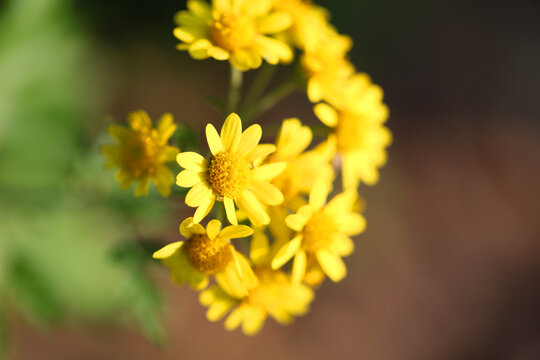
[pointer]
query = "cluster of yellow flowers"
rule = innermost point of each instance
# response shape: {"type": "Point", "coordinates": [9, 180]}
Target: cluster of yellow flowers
{"type": "Point", "coordinates": [277, 192]}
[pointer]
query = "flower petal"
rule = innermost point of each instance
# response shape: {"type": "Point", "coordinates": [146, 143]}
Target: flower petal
{"type": "Point", "coordinates": [188, 228]}
{"type": "Point", "coordinates": [204, 207]}
{"type": "Point", "coordinates": [269, 171]}
{"type": "Point", "coordinates": [299, 267]}
{"type": "Point", "coordinates": [230, 210]}
{"type": "Point", "coordinates": [197, 194]}
{"type": "Point", "coordinates": [266, 192]}
{"type": "Point", "coordinates": [192, 161]}
{"type": "Point", "coordinates": [332, 265]}
{"type": "Point", "coordinates": [260, 248]}
{"type": "Point", "coordinates": [286, 252]}
{"type": "Point", "coordinates": [142, 187]}
{"type": "Point", "coordinates": [168, 250]}
{"type": "Point", "coordinates": [189, 178]}
{"type": "Point", "coordinates": [214, 141]}
{"type": "Point", "coordinates": [212, 228]}
{"type": "Point", "coordinates": [327, 114]}
{"type": "Point", "coordinates": [249, 139]}
{"type": "Point", "coordinates": [235, 231]}
{"type": "Point", "coordinates": [351, 223]}
{"type": "Point", "coordinates": [252, 207]}
{"type": "Point", "coordinates": [318, 195]}
{"type": "Point", "coordinates": [231, 131]}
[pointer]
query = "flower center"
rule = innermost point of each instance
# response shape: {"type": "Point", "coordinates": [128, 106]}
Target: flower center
{"type": "Point", "coordinates": [206, 255]}
{"type": "Point", "coordinates": [318, 232]}
{"type": "Point", "coordinates": [232, 32]}
{"type": "Point", "coordinates": [350, 132]}
{"type": "Point", "coordinates": [228, 174]}
{"type": "Point", "coordinates": [139, 154]}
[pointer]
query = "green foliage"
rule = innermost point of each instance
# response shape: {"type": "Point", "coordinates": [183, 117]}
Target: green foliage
{"type": "Point", "coordinates": [62, 217]}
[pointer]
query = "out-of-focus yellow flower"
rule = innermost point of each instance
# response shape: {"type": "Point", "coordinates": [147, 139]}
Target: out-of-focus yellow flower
{"type": "Point", "coordinates": [274, 295]}
{"type": "Point", "coordinates": [327, 65]}
{"type": "Point", "coordinates": [142, 153]}
{"type": "Point", "coordinates": [208, 252]}
{"type": "Point", "coordinates": [231, 174]}
{"type": "Point", "coordinates": [303, 168]}
{"type": "Point", "coordinates": [310, 22]}
{"type": "Point", "coordinates": [357, 114]}
{"type": "Point", "coordinates": [322, 231]}
{"type": "Point", "coordinates": [234, 30]}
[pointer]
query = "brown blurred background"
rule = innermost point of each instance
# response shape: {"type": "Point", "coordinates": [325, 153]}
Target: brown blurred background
{"type": "Point", "coordinates": [449, 267]}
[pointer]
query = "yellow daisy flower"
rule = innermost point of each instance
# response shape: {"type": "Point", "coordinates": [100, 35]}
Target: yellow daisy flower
{"type": "Point", "coordinates": [322, 231]}
{"type": "Point", "coordinates": [231, 174]}
{"type": "Point", "coordinates": [234, 30]}
{"type": "Point", "coordinates": [303, 167]}
{"type": "Point", "coordinates": [142, 153]}
{"type": "Point", "coordinates": [357, 114]}
{"type": "Point", "coordinates": [274, 295]}
{"type": "Point", "coordinates": [208, 252]}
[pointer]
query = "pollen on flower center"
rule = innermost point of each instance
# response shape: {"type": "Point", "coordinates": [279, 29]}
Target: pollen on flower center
{"type": "Point", "coordinates": [232, 32]}
{"type": "Point", "coordinates": [318, 232]}
{"type": "Point", "coordinates": [350, 132]}
{"type": "Point", "coordinates": [206, 255]}
{"type": "Point", "coordinates": [139, 154]}
{"type": "Point", "coordinates": [228, 174]}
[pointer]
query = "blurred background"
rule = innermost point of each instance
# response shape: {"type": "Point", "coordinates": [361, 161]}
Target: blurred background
{"type": "Point", "coordinates": [449, 267]}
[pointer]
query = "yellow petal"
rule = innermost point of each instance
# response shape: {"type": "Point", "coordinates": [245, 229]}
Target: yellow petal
{"type": "Point", "coordinates": [230, 210]}
{"type": "Point", "coordinates": [212, 228]}
{"type": "Point", "coordinates": [332, 265]}
{"type": "Point", "coordinates": [231, 132]}
{"type": "Point", "coordinates": [188, 178]}
{"type": "Point", "coordinates": [124, 178]}
{"type": "Point", "coordinates": [168, 250]}
{"type": "Point", "coordinates": [245, 59]}
{"type": "Point", "coordinates": [199, 49]}
{"type": "Point", "coordinates": [253, 320]}
{"type": "Point", "coordinates": [192, 161]}
{"type": "Point", "coordinates": [188, 228]}
{"type": "Point", "coordinates": [198, 280]}
{"type": "Point", "coordinates": [163, 179]}
{"type": "Point", "coordinates": [235, 231]}
{"type": "Point", "coordinates": [299, 267]}
{"type": "Point", "coordinates": [249, 139]}
{"type": "Point", "coordinates": [298, 221]}
{"type": "Point", "coordinates": [269, 171]}
{"type": "Point", "coordinates": [218, 53]}
{"type": "Point", "coordinates": [261, 151]}
{"type": "Point", "coordinates": [318, 194]}
{"type": "Point", "coordinates": [142, 187]}
{"type": "Point", "coordinates": [118, 132]}
{"type": "Point", "coordinates": [351, 223]}
{"type": "Point", "coordinates": [234, 319]}
{"type": "Point", "coordinates": [273, 50]}
{"type": "Point", "coordinates": [244, 269]}
{"type": "Point", "coordinates": [260, 248]}
{"type": "Point", "coordinates": [214, 141]}
{"type": "Point", "coordinates": [139, 120]}
{"type": "Point", "coordinates": [286, 252]}
{"type": "Point", "coordinates": [204, 207]}
{"type": "Point", "coordinates": [183, 35]}
{"type": "Point", "coordinates": [218, 309]}
{"type": "Point", "coordinates": [266, 192]}
{"type": "Point", "coordinates": [327, 114]}
{"type": "Point", "coordinates": [274, 23]}
{"type": "Point", "coordinates": [197, 194]}
{"type": "Point", "coordinates": [342, 245]}
{"type": "Point", "coordinates": [252, 207]}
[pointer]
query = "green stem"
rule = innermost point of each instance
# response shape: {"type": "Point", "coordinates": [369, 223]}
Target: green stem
{"type": "Point", "coordinates": [235, 89]}
{"type": "Point", "coordinates": [259, 85]}
{"type": "Point", "coordinates": [270, 100]}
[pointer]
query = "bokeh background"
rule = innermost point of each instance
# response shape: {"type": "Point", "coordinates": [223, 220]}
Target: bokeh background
{"type": "Point", "coordinates": [449, 267]}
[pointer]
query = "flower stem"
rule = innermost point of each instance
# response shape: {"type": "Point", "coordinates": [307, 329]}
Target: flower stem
{"type": "Point", "coordinates": [270, 100]}
{"type": "Point", "coordinates": [259, 85]}
{"type": "Point", "coordinates": [235, 89]}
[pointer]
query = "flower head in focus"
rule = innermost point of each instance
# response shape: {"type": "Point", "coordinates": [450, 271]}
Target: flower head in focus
{"type": "Point", "coordinates": [208, 252]}
{"type": "Point", "coordinates": [274, 295]}
{"type": "Point", "coordinates": [142, 153]}
{"type": "Point", "coordinates": [236, 30]}
{"type": "Point", "coordinates": [357, 115]}
{"type": "Point", "coordinates": [322, 230]}
{"type": "Point", "coordinates": [231, 174]}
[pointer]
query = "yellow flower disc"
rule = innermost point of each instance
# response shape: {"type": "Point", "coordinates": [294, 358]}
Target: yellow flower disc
{"type": "Point", "coordinates": [207, 255]}
{"type": "Point", "coordinates": [228, 174]}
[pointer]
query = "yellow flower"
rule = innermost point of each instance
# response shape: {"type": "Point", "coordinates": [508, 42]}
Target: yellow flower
{"type": "Point", "coordinates": [322, 231]}
{"type": "Point", "coordinates": [231, 175]}
{"type": "Point", "coordinates": [274, 295]}
{"type": "Point", "coordinates": [303, 168]}
{"type": "Point", "coordinates": [208, 252]}
{"type": "Point", "coordinates": [357, 114]}
{"type": "Point", "coordinates": [142, 153]}
{"type": "Point", "coordinates": [234, 30]}
{"type": "Point", "coordinates": [309, 22]}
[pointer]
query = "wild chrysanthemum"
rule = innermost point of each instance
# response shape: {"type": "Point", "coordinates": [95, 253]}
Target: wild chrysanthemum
{"type": "Point", "coordinates": [208, 252]}
{"type": "Point", "coordinates": [357, 114]}
{"type": "Point", "coordinates": [303, 167]}
{"type": "Point", "coordinates": [274, 295]}
{"type": "Point", "coordinates": [235, 30]}
{"type": "Point", "coordinates": [142, 153]}
{"type": "Point", "coordinates": [322, 230]}
{"type": "Point", "coordinates": [231, 175]}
